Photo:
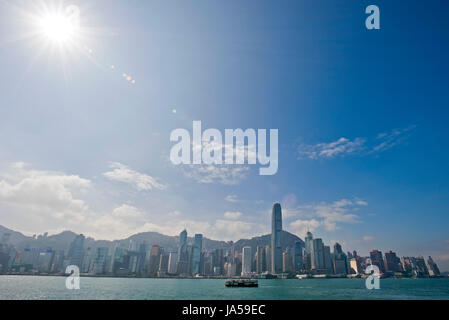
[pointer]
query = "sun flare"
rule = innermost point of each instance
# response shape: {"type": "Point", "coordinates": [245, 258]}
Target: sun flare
{"type": "Point", "coordinates": [58, 28]}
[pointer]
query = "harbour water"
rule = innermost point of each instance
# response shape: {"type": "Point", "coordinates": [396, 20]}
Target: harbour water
{"type": "Point", "coordinates": [53, 288]}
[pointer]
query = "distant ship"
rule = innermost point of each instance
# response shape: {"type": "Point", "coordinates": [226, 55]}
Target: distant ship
{"type": "Point", "coordinates": [241, 283]}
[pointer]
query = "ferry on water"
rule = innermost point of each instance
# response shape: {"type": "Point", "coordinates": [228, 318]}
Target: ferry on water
{"type": "Point", "coordinates": [241, 283]}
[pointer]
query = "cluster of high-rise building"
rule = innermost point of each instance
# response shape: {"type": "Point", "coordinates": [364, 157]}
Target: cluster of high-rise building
{"type": "Point", "coordinates": [311, 257]}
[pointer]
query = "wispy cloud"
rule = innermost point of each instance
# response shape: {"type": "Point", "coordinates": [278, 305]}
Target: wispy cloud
{"type": "Point", "coordinates": [125, 174]}
{"type": "Point", "coordinates": [340, 147]}
{"type": "Point", "coordinates": [223, 174]}
{"type": "Point", "coordinates": [232, 198]}
{"type": "Point", "coordinates": [389, 140]}
{"type": "Point", "coordinates": [326, 215]}
{"type": "Point", "coordinates": [357, 146]}
{"type": "Point", "coordinates": [232, 215]}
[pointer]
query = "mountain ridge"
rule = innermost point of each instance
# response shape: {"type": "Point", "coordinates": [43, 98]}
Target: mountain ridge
{"type": "Point", "coordinates": [62, 240]}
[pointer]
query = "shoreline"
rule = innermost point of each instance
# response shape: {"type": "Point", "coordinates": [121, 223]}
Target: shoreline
{"type": "Point", "coordinates": [213, 278]}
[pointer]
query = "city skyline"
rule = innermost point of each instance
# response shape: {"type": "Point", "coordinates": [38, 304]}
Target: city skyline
{"type": "Point", "coordinates": [311, 257]}
{"type": "Point", "coordinates": [85, 130]}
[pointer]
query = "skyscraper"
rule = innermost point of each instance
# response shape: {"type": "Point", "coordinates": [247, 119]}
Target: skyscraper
{"type": "Point", "coordinates": [163, 264]}
{"type": "Point", "coordinates": [432, 267]}
{"type": "Point", "coordinates": [287, 261]}
{"type": "Point", "coordinates": [99, 262]}
{"type": "Point", "coordinates": [308, 242]}
{"type": "Point", "coordinates": [340, 263]}
{"type": "Point", "coordinates": [75, 253]}
{"type": "Point", "coordinates": [172, 261]}
{"type": "Point", "coordinates": [261, 259]}
{"type": "Point", "coordinates": [376, 259]}
{"type": "Point", "coordinates": [196, 254]}
{"type": "Point", "coordinates": [337, 248]}
{"type": "Point", "coordinates": [392, 262]}
{"type": "Point", "coordinates": [298, 261]}
{"type": "Point", "coordinates": [155, 258]}
{"type": "Point", "coordinates": [183, 238]}
{"type": "Point", "coordinates": [328, 260]}
{"type": "Point", "coordinates": [183, 255]}
{"type": "Point", "coordinates": [246, 261]}
{"type": "Point", "coordinates": [276, 249]}
{"type": "Point", "coordinates": [317, 254]}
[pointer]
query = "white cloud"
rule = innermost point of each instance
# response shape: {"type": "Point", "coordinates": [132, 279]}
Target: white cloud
{"type": "Point", "coordinates": [361, 202]}
{"type": "Point", "coordinates": [368, 238]}
{"type": "Point", "coordinates": [326, 215]}
{"type": "Point", "coordinates": [389, 140]}
{"type": "Point", "coordinates": [37, 201]}
{"type": "Point", "coordinates": [38, 195]}
{"type": "Point", "coordinates": [136, 179]}
{"type": "Point", "coordinates": [232, 198]}
{"type": "Point", "coordinates": [175, 213]}
{"type": "Point", "coordinates": [232, 215]}
{"type": "Point", "coordinates": [330, 150]}
{"type": "Point", "coordinates": [300, 227]}
{"type": "Point", "coordinates": [126, 211]}
{"type": "Point", "coordinates": [344, 146]}
{"type": "Point", "coordinates": [224, 174]}
{"type": "Point", "coordinates": [124, 221]}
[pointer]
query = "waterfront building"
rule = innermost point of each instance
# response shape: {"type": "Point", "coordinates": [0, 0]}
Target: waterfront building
{"type": "Point", "coordinates": [392, 262]}
{"type": "Point", "coordinates": [421, 267]}
{"type": "Point", "coordinates": [261, 259]}
{"type": "Point", "coordinates": [376, 259]}
{"type": "Point", "coordinates": [196, 254]}
{"type": "Point", "coordinates": [45, 260]}
{"type": "Point", "coordinates": [87, 261]}
{"type": "Point", "coordinates": [276, 248]}
{"type": "Point", "coordinates": [298, 257]}
{"type": "Point", "coordinates": [117, 259]}
{"type": "Point", "coordinates": [76, 250]}
{"type": "Point", "coordinates": [172, 261]}
{"type": "Point", "coordinates": [354, 267]}
{"type": "Point", "coordinates": [155, 258]}
{"type": "Point", "coordinates": [287, 265]}
{"type": "Point", "coordinates": [100, 261]}
{"type": "Point", "coordinates": [340, 261]}
{"type": "Point", "coordinates": [317, 255]}
{"type": "Point", "coordinates": [328, 260]}
{"type": "Point", "coordinates": [432, 267]}
{"type": "Point", "coordinates": [308, 242]}
{"type": "Point", "coordinates": [183, 254]}
{"type": "Point", "coordinates": [163, 265]}
{"type": "Point", "coordinates": [246, 261]}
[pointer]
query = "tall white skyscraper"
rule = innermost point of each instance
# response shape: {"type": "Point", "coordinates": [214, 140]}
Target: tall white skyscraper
{"type": "Point", "coordinates": [75, 253]}
{"type": "Point", "coordinates": [196, 254]}
{"type": "Point", "coordinates": [172, 262]}
{"type": "Point", "coordinates": [246, 261]}
{"type": "Point", "coordinates": [276, 249]}
{"type": "Point", "coordinates": [308, 242]}
{"type": "Point", "coordinates": [317, 254]}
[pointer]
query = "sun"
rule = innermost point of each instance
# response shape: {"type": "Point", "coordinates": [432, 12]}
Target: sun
{"type": "Point", "coordinates": [58, 28]}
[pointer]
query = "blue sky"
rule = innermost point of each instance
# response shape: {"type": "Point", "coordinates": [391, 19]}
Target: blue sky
{"type": "Point", "coordinates": [362, 118]}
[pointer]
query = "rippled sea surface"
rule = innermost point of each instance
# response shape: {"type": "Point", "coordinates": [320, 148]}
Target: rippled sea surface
{"type": "Point", "coordinates": [37, 287]}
